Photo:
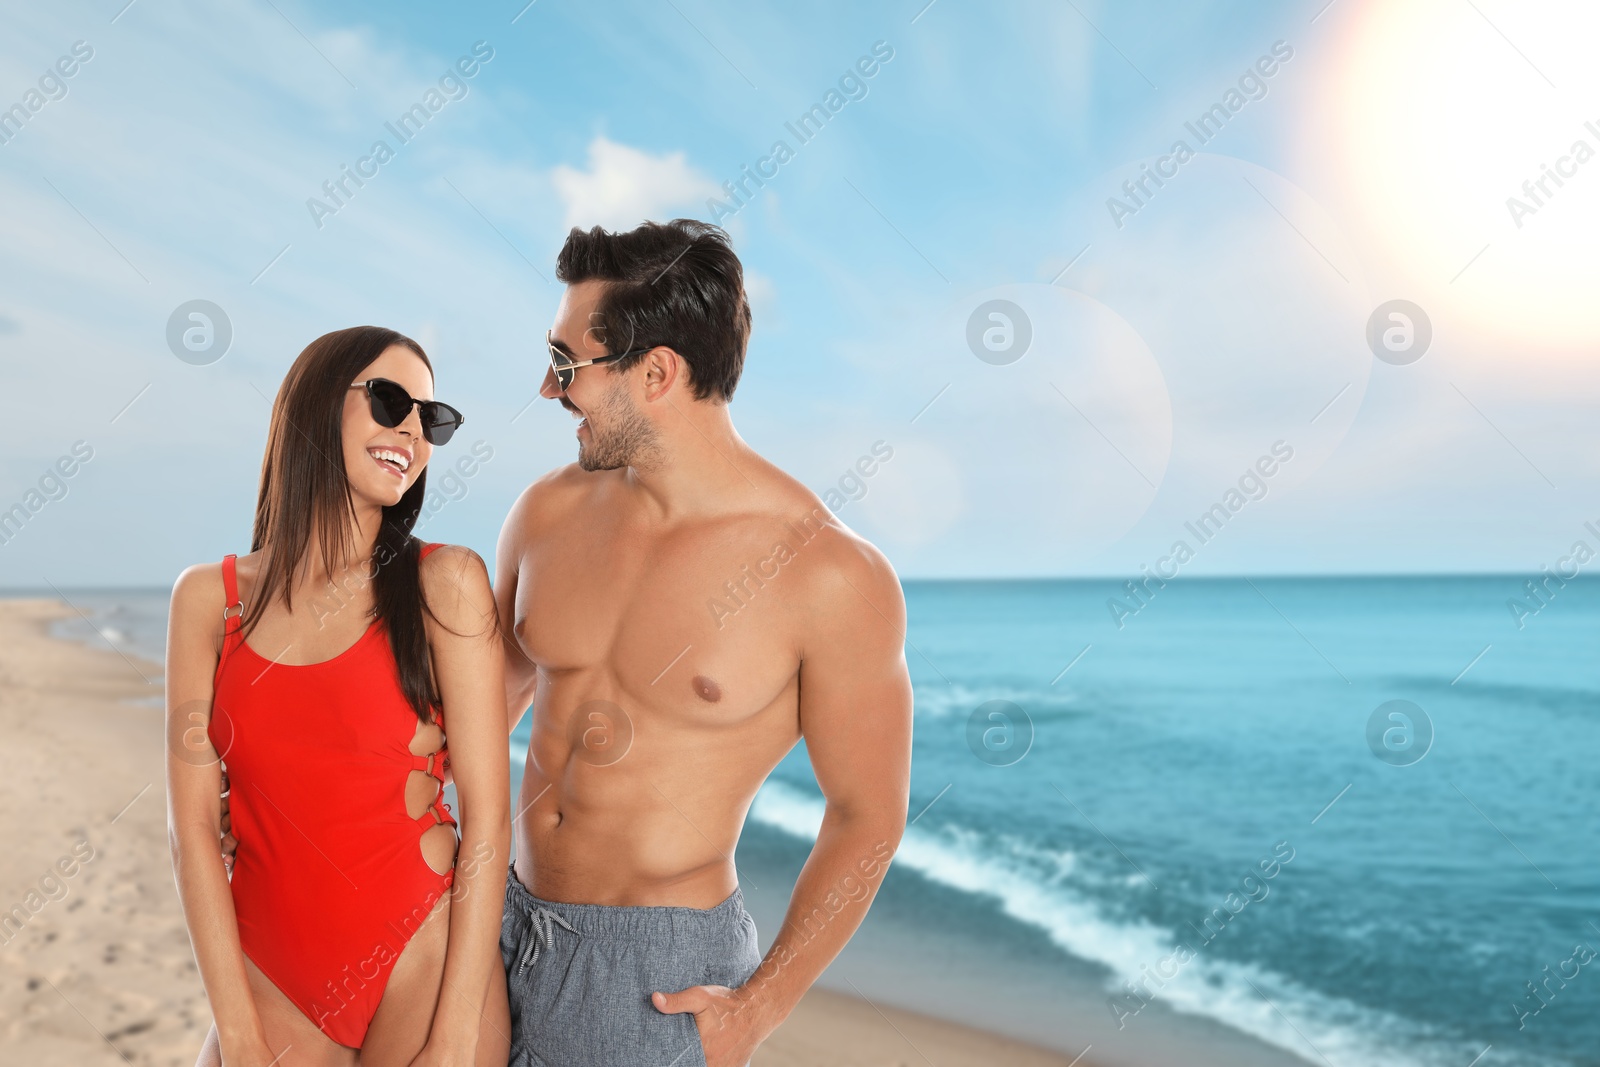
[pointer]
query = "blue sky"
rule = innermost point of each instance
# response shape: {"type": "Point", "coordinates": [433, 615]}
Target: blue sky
{"type": "Point", "coordinates": [1169, 354]}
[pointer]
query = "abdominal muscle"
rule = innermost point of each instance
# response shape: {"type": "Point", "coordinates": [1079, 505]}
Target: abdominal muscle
{"type": "Point", "coordinates": [655, 825]}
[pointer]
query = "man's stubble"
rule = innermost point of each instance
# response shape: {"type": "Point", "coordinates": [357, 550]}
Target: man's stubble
{"type": "Point", "coordinates": [619, 435]}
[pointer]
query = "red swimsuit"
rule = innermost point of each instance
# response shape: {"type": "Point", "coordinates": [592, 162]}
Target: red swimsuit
{"type": "Point", "coordinates": [329, 882]}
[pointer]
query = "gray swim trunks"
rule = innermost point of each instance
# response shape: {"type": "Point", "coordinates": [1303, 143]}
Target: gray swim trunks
{"type": "Point", "coordinates": [580, 977]}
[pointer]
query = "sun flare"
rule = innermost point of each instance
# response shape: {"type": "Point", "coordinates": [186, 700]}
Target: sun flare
{"type": "Point", "coordinates": [1468, 139]}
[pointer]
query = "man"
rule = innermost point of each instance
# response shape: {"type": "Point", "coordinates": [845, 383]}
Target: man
{"type": "Point", "coordinates": [679, 613]}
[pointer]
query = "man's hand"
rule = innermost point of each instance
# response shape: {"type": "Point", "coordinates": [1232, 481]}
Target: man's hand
{"type": "Point", "coordinates": [729, 1033]}
{"type": "Point", "coordinates": [230, 844]}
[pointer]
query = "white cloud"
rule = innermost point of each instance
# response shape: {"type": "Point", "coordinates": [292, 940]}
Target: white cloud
{"type": "Point", "coordinates": [762, 293]}
{"type": "Point", "coordinates": [625, 186]}
{"type": "Point", "coordinates": [200, 182]}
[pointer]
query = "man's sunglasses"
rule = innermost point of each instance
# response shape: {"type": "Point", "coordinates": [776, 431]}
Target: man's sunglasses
{"type": "Point", "coordinates": [566, 368]}
{"type": "Point", "coordinates": [391, 405]}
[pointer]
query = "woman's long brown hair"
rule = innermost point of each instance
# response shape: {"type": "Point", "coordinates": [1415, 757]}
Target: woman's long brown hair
{"type": "Point", "coordinates": [305, 490]}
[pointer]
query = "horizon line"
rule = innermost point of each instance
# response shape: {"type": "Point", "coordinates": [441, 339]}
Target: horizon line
{"type": "Point", "coordinates": [45, 592]}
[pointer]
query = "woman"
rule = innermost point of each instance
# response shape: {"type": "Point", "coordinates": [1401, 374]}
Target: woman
{"type": "Point", "coordinates": [319, 667]}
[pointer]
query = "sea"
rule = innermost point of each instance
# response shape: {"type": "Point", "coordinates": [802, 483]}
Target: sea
{"type": "Point", "coordinates": [1343, 821]}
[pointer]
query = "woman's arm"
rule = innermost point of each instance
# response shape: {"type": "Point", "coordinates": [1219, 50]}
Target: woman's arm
{"type": "Point", "coordinates": [522, 677]}
{"type": "Point", "coordinates": [468, 664]}
{"type": "Point", "coordinates": [194, 782]}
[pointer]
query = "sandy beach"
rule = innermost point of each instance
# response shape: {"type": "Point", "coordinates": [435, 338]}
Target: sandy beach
{"type": "Point", "coordinates": [95, 963]}
{"type": "Point", "coordinates": [101, 969]}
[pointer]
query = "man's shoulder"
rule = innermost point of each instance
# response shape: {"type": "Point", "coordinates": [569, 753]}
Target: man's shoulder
{"type": "Point", "coordinates": [835, 558]}
{"type": "Point", "coordinates": [845, 556]}
{"type": "Point", "coordinates": [844, 592]}
{"type": "Point", "coordinates": [555, 495]}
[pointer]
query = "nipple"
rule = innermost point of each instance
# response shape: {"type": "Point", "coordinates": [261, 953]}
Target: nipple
{"type": "Point", "coordinates": [707, 688]}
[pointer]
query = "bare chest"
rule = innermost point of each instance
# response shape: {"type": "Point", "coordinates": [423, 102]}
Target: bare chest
{"type": "Point", "coordinates": [692, 622]}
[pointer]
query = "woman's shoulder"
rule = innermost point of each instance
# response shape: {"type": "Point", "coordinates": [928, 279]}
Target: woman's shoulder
{"type": "Point", "coordinates": [455, 582]}
{"type": "Point", "coordinates": [207, 581]}
{"type": "Point", "coordinates": [201, 591]}
{"type": "Point", "coordinates": [199, 584]}
{"type": "Point", "coordinates": [440, 561]}
{"type": "Point", "coordinates": [449, 551]}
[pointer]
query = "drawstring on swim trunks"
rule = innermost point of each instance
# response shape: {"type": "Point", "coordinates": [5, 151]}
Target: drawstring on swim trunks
{"type": "Point", "coordinates": [541, 925]}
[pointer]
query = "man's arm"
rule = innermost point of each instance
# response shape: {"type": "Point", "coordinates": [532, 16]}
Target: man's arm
{"type": "Point", "coordinates": [855, 716]}
{"type": "Point", "coordinates": [521, 674]}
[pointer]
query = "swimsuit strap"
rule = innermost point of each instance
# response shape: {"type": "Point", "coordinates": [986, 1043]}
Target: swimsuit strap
{"type": "Point", "coordinates": [437, 811]}
{"type": "Point", "coordinates": [230, 586]}
{"type": "Point", "coordinates": [429, 547]}
{"type": "Point", "coordinates": [432, 764]}
{"type": "Point", "coordinates": [233, 610]}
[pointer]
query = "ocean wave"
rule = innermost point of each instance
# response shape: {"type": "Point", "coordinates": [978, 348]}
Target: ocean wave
{"type": "Point", "coordinates": [959, 700]}
{"type": "Point", "coordinates": [1545, 695]}
{"type": "Point", "coordinates": [1047, 890]}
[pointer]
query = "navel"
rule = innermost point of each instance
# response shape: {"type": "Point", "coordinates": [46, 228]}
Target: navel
{"type": "Point", "coordinates": [707, 688]}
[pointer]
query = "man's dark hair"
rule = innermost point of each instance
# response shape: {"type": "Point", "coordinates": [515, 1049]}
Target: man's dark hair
{"type": "Point", "coordinates": [674, 283]}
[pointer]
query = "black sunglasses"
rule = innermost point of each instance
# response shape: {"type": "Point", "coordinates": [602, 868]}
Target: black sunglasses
{"type": "Point", "coordinates": [391, 405]}
{"type": "Point", "coordinates": [566, 368]}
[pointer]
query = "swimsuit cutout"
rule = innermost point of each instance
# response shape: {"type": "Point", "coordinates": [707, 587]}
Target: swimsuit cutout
{"type": "Point", "coordinates": [329, 882]}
